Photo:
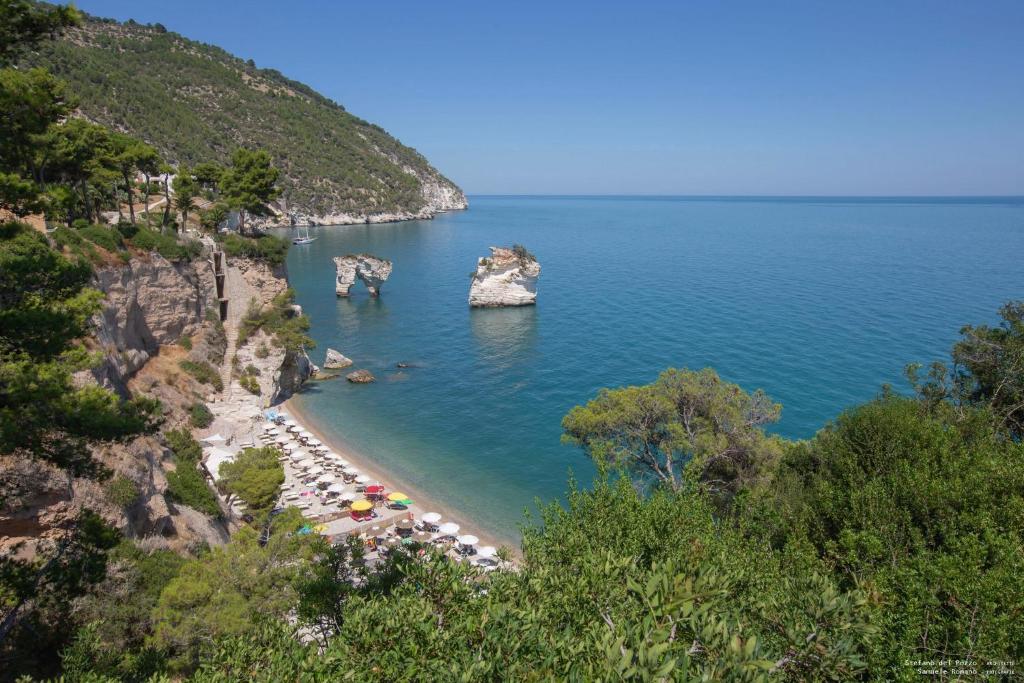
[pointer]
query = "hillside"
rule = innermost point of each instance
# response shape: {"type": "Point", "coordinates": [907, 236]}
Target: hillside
{"type": "Point", "coordinates": [195, 102]}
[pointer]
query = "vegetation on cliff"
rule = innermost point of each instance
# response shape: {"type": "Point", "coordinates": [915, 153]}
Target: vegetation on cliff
{"type": "Point", "coordinates": [195, 103]}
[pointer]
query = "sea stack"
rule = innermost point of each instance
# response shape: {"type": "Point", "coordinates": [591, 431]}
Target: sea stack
{"type": "Point", "coordinates": [335, 360]}
{"type": "Point", "coordinates": [371, 270]}
{"type": "Point", "coordinates": [508, 277]}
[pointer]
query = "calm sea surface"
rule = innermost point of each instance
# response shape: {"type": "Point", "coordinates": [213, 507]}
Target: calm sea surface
{"type": "Point", "coordinates": [817, 301]}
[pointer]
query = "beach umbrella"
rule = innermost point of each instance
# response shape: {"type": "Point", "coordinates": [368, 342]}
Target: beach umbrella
{"type": "Point", "coordinates": [362, 505]}
{"type": "Point", "coordinates": [423, 537]}
{"type": "Point", "coordinates": [271, 429]}
{"type": "Point", "coordinates": [449, 528]}
{"type": "Point", "coordinates": [348, 469]}
{"type": "Point", "coordinates": [316, 469]}
{"type": "Point", "coordinates": [397, 496]}
{"type": "Point", "coordinates": [335, 488]}
{"type": "Point", "coordinates": [405, 524]}
{"type": "Point", "coordinates": [431, 517]}
{"type": "Point", "coordinates": [305, 435]}
{"type": "Point", "coordinates": [468, 539]}
{"type": "Point", "coordinates": [487, 551]}
{"type": "Point", "coordinates": [376, 488]}
{"type": "Point", "coordinates": [325, 478]}
{"type": "Point", "coordinates": [363, 479]}
{"type": "Point", "coordinates": [291, 423]}
{"type": "Point", "coordinates": [281, 441]}
{"type": "Point", "coordinates": [315, 442]}
{"type": "Point", "coordinates": [391, 541]}
{"type": "Point", "coordinates": [297, 456]}
{"type": "Point", "coordinates": [305, 464]}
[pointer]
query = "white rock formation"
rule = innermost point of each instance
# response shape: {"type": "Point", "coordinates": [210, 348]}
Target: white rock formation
{"type": "Point", "coordinates": [371, 270]}
{"type": "Point", "coordinates": [507, 278]}
{"type": "Point", "coordinates": [335, 360]}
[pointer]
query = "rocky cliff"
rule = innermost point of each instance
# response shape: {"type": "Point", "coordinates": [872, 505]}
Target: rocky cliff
{"type": "Point", "coordinates": [508, 277]}
{"type": "Point", "coordinates": [157, 314]}
{"type": "Point", "coordinates": [371, 270]}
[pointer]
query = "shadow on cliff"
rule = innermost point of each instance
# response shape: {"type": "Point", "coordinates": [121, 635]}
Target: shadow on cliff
{"type": "Point", "coordinates": [504, 335]}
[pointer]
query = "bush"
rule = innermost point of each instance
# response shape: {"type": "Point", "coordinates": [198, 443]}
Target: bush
{"type": "Point", "coordinates": [250, 384]}
{"type": "Point", "coordinates": [203, 373]}
{"type": "Point", "coordinates": [267, 248]}
{"type": "Point", "coordinates": [200, 416]}
{"type": "Point", "coordinates": [122, 491]}
{"type": "Point", "coordinates": [279, 320]}
{"type": "Point", "coordinates": [185, 342]}
{"type": "Point", "coordinates": [252, 370]}
{"type": "Point", "coordinates": [99, 235]}
{"type": "Point", "coordinates": [186, 484]}
{"type": "Point", "coordinates": [263, 351]}
{"type": "Point", "coordinates": [165, 245]}
{"type": "Point", "coordinates": [127, 229]}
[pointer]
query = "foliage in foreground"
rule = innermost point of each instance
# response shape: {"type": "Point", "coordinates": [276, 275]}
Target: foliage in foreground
{"type": "Point", "coordinates": [186, 484]}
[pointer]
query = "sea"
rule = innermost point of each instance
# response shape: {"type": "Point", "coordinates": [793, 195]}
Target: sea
{"type": "Point", "coordinates": [819, 301]}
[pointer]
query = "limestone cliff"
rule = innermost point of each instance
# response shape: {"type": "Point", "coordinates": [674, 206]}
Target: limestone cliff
{"type": "Point", "coordinates": [371, 270]}
{"type": "Point", "coordinates": [507, 278]}
{"type": "Point", "coordinates": [151, 306]}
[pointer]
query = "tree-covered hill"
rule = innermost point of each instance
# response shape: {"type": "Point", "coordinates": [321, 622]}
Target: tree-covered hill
{"type": "Point", "coordinates": [195, 102]}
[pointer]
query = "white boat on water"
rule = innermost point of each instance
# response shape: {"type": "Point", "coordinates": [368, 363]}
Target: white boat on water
{"type": "Point", "coordinates": [301, 238]}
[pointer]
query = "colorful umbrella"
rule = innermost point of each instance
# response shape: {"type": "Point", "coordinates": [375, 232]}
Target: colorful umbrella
{"type": "Point", "coordinates": [362, 505]}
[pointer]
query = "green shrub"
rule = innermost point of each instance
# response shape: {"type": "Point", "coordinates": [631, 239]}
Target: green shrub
{"type": "Point", "coordinates": [263, 351]}
{"type": "Point", "coordinates": [250, 384]}
{"type": "Point", "coordinates": [127, 229]}
{"type": "Point", "coordinates": [122, 491]}
{"type": "Point", "coordinates": [252, 370]}
{"type": "Point", "coordinates": [186, 484]}
{"type": "Point", "coordinates": [279, 320]}
{"type": "Point", "coordinates": [166, 245]}
{"type": "Point", "coordinates": [203, 373]}
{"type": "Point", "coordinates": [70, 239]}
{"type": "Point", "coordinates": [200, 416]}
{"type": "Point", "coordinates": [108, 238]}
{"type": "Point", "coordinates": [185, 342]}
{"type": "Point", "coordinates": [267, 248]}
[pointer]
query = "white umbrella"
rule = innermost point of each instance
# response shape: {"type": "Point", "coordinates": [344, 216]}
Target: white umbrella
{"type": "Point", "coordinates": [336, 488]}
{"type": "Point", "coordinates": [291, 423]}
{"type": "Point", "coordinates": [316, 469]}
{"type": "Point", "coordinates": [282, 440]}
{"type": "Point", "coordinates": [348, 469]}
{"type": "Point", "coordinates": [468, 539]}
{"type": "Point", "coordinates": [449, 528]}
{"type": "Point", "coordinates": [297, 456]}
{"type": "Point", "coordinates": [313, 441]}
{"type": "Point", "coordinates": [431, 517]}
{"type": "Point", "coordinates": [305, 464]}
{"type": "Point", "coordinates": [487, 551]}
{"type": "Point", "coordinates": [305, 435]}
{"type": "Point", "coordinates": [325, 479]}
{"type": "Point", "coordinates": [363, 479]}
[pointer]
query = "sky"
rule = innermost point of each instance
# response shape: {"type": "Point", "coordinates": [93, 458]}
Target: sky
{"type": "Point", "coordinates": [705, 98]}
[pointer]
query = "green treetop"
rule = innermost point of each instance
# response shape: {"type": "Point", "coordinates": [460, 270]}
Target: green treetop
{"type": "Point", "coordinates": [250, 184]}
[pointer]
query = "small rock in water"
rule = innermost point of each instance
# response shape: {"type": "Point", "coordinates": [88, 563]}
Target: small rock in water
{"type": "Point", "coordinates": [360, 377]}
{"type": "Point", "coordinates": [403, 364]}
{"type": "Point", "coordinates": [335, 360]}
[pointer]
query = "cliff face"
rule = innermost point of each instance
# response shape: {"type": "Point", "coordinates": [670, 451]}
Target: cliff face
{"type": "Point", "coordinates": [506, 278]}
{"type": "Point", "coordinates": [151, 304]}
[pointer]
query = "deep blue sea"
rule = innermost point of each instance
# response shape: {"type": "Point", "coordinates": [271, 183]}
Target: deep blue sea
{"type": "Point", "coordinates": [817, 301]}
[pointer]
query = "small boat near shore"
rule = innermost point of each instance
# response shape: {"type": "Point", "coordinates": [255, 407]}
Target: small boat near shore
{"type": "Point", "coordinates": [302, 238]}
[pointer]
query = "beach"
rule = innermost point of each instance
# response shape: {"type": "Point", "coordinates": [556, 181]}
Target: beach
{"type": "Point", "coordinates": [423, 502]}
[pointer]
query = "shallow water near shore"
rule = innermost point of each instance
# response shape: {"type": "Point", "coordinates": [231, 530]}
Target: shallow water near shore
{"type": "Point", "coordinates": [817, 301]}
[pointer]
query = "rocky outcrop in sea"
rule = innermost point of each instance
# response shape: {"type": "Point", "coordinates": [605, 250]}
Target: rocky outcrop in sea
{"type": "Point", "coordinates": [508, 277]}
{"type": "Point", "coordinates": [335, 360]}
{"type": "Point", "coordinates": [371, 270]}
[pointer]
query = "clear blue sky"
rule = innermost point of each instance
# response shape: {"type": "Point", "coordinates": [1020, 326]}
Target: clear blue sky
{"type": "Point", "coordinates": [714, 97]}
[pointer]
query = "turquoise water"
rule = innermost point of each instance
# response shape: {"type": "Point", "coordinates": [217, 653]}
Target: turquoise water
{"type": "Point", "coordinates": [817, 301]}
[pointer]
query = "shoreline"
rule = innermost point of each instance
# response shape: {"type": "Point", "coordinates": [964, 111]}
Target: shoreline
{"type": "Point", "coordinates": [368, 466]}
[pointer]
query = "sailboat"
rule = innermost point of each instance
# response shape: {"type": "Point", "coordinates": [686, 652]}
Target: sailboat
{"type": "Point", "coordinates": [301, 238]}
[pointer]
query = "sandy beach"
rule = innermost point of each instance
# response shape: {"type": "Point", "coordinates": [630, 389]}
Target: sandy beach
{"type": "Point", "coordinates": [367, 466]}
